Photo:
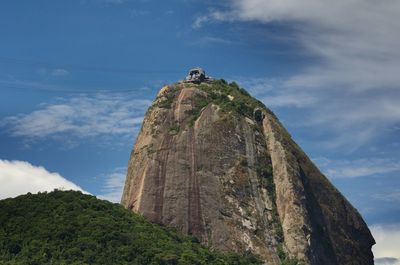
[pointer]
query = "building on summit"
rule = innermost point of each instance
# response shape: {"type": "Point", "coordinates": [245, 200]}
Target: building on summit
{"type": "Point", "coordinates": [197, 75]}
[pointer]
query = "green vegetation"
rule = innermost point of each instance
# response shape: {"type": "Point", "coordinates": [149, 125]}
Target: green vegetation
{"type": "Point", "coordinates": [169, 99]}
{"type": "Point", "coordinates": [233, 99]}
{"type": "Point", "coordinates": [174, 129]}
{"type": "Point", "coordinates": [66, 227]}
{"type": "Point", "coordinates": [240, 102]}
{"type": "Point", "coordinates": [285, 260]}
{"type": "Point", "coordinates": [229, 97]}
{"type": "Point", "coordinates": [264, 171]}
{"type": "Point", "coordinates": [194, 113]}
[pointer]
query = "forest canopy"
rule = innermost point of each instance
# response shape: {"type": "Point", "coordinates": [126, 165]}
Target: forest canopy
{"type": "Point", "coordinates": [68, 227]}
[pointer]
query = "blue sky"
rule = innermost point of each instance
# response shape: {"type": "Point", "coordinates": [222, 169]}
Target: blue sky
{"type": "Point", "coordinates": [77, 76]}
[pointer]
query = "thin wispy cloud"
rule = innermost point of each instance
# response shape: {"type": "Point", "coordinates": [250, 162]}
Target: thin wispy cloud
{"type": "Point", "coordinates": [56, 72]}
{"type": "Point", "coordinates": [84, 116]}
{"type": "Point", "coordinates": [209, 40]}
{"type": "Point", "coordinates": [357, 167]}
{"type": "Point", "coordinates": [212, 16]}
{"type": "Point", "coordinates": [113, 186]}
{"type": "Point", "coordinates": [353, 86]}
{"type": "Point", "coordinates": [273, 93]}
{"type": "Point", "coordinates": [199, 21]}
{"type": "Point", "coordinates": [389, 196]}
{"type": "Point", "coordinates": [59, 72]}
{"type": "Point", "coordinates": [134, 13]}
{"type": "Point", "coordinates": [351, 119]}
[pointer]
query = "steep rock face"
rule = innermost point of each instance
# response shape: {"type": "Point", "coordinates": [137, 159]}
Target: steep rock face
{"type": "Point", "coordinates": [203, 164]}
{"type": "Point", "coordinates": [317, 221]}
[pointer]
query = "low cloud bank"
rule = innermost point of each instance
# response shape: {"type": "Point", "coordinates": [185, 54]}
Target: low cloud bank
{"type": "Point", "coordinates": [20, 177]}
{"type": "Point", "coordinates": [386, 250]}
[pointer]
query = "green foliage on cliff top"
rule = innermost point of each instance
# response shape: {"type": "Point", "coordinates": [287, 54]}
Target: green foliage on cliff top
{"type": "Point", "coordinates": [66, 227]}
{"type": "Point", "coordinates": [229, 97]}
{"type": "Point", "coordinates": [241, 101]}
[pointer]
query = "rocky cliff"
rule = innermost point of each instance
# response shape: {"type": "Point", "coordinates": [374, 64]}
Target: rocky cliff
{"type": "Point", "coordinates": [214, 162]}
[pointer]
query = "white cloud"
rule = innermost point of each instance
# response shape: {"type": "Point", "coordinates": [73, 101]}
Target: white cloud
{"type": "Point", "coordinates": [113, 187]}
{"type": "Point", "coordinates": [353, 87]}
{"type": "Point", "coordinates": [389, 196]}
{"type": "Point", "coordinates": [386, 250]}
{"type": "Point", "coordinates": [20, 177]}
{"type": "Point", "coordinates": [214, 16]}
{"type": "Point", "coordinates": [273, 93]}
{"type": "Point", "coordinates": [357, 167]}
{"type": "Point", "coordinates": [82, 117]}
{"type": "Point", "coordinates": [138, 13]}
{"type": "Point", "coordinates": [199, 21]}
{"type": "Point", "coordinates": [59, 72]}
{"type": "Point", "coordinates": [208, 40]}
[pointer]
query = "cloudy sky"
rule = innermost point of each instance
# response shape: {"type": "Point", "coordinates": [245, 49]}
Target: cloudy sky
{"type": "Point", "coordinates": [77, 76]}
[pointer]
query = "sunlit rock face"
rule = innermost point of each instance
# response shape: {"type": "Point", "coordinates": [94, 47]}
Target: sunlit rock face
{"type": "Point", "coordinates": [214, 162]}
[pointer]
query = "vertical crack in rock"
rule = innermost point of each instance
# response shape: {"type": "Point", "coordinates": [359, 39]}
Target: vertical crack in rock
{"type": "Point", "coordinates": [271, 257]}
{"type": "Point", "coordinates": [160, 176]}
{"type": "Point", "coordinates": [137, 199]}
{"type": "Point", "coordinates": [290, 197]}
{"type": "Point", "coordinates": [195, 226]}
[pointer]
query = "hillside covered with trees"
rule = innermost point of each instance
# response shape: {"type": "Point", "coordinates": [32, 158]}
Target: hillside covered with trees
{"type": "Point", "coordinates": [68, 227]}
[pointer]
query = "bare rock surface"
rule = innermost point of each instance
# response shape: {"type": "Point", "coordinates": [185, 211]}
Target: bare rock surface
{"type": "Point", "coordinates": [204, 164]}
